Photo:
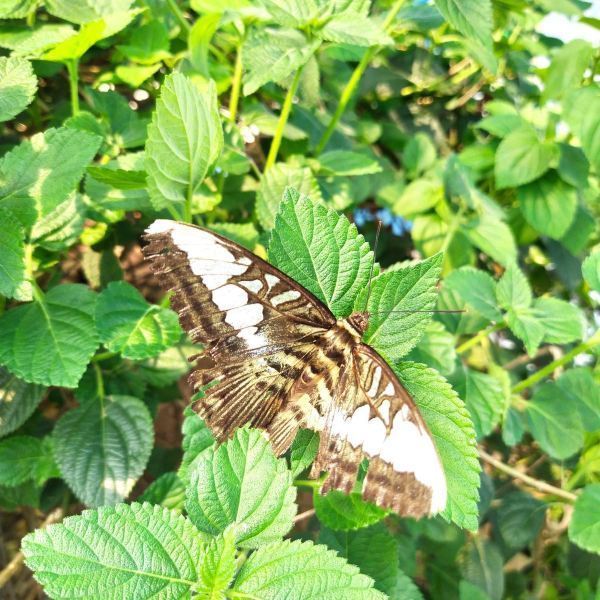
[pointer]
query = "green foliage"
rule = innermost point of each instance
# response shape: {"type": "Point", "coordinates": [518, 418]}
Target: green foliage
{"type": "Point", "coordinates": [290, 127]}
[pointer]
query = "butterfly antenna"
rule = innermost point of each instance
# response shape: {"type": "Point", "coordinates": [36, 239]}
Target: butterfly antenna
{"type": "Point", "coordinates": [388, 312]}
{"type": "Point", "coordinates": [373, 263]}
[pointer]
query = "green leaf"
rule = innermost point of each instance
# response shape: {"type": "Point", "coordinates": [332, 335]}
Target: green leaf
{"type": "Point", "coordinates": [274, 55]}
{"type": "Point", "coordinates": [409, 289]}
{"type": "Point", "coordinates": [417, 197]}
{"type": "Point", "coordinates": [452, 429]}
{"type": "Point", "coordinates": [129, 325]}
{"type": "Point", "coordinates": [520, 519]}
{"type": "Point", "coordinates": [352, 28]}
{"type": "Point", "coordinates": [436, 349]}
{"type": "Point", "coordinates": [32, 41]}
{"type": "Point", "coordinates": [291, 13]}
{"type": "Point", "coordinates": [591, 270]}
{"type": "Point", "coordinates": [483, 567]}
{"type": "Point", "coordinates": [525, 324]}
{"type": "Point", "coordinates": [573, 166]}
{"type": "Point", "coordinates": [197, 437]}
{"type": "Point", "coordinates": [581, 111]}
{"type": "Point", "coordinates": [245, 234]}
{"type": "Point", "coordinates": [39, 174]}
{"type": "Point", "coordinates": [513, 291]}
{"type": "Point", "coordinates": [127, 551]}
{"type": "Point", "coordinates": [521, 157]}
{"type": "Point", "coordinates": [554, 422]}
{"type": "Point", "coordinates": [346, 163]}
{"type": "Point", "coordinates": [88, 10]}
{"type": "Point", "coordinates": [18, 85]}
{"type": "Point", "coordinates": [242, 484]}
{"type": "Point", "coordinates": [218, 566]}
{"type": "Point", "coordinates": [567, 69]}
{"type": "Point", "coordinates": [299, 570]}
{"type": "Point", "coordinates": [376, 553]}
{"type": "Point", "coordinates": [135, 75]}
{"type": "Point", "coordinates": [18, 400]}
{"type": "Point", "coordinates": [12, 257]}
{"type": "Point", "coordinates": [16, 9]}
{"type": "Point", "coordinates": [473, 18]}
{"type": "Point", "coordinates": [148, 44]}
{"type": "Point", "coordinates": [548, 205]}
{"type": "Point", "coordinates": [103, 446]}
{"type": "Point", "coordinates": [321, 250]}
{"type": "Point", "coordinates": [501, 125]}
{"type": "Point", "coordinates": [493, 236]}
{"type": "Point", "coordinates": [580, 388]}
{"type": "Point", "coordinates": [58, 227]}
{"type": "Point", "coordinates": [23, 458]}
{"type": "Point", "coordinates": [419, 154]}
{"type": "Point", "coordinates": [119, 178]}
{"type": "Point", "coordinates": [185, 140]}
{"type": "Point", "coordinates": [484, 398]}
{"type": "Point", "coordinates": [344, 512]}
{"type": "Point", "coordinates": [168, 491]}
{"type": "Point", "coordinates": [563, 322]}
{"type": "Point", "coordinates": [478, 289]}
{"type": "Point", "coordinates": [584, 528]}
{"type": "Point", "coordinates": [303, 450]}
{"type": "Point", "coordinates": [273, 185]}
{"type": "Point", "coordinates": [65, 336]}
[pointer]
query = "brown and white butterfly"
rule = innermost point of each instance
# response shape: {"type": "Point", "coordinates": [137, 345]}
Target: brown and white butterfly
{"type": "Point", "coordinates": [279, 360]}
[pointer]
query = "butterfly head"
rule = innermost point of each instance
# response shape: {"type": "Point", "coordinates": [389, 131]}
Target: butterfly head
{"type": "Point", "coordinates": [360, 321]}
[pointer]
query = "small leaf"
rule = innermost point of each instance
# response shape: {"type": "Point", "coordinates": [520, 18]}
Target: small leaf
{"type": "Point", "coordinates": [520, 519]}
{"type": "Point", "coordinates": [242, 484]}
{"type": "Point", "coordinates": [473, 18]}
{"type": "Point", "coordinates": [436, 349]}
{"type": "Point", "coordinates": [84, 12]}
{"type": "Point", "coordinates": [548, 205]}
{"type": "Point", "coordinates": [478, 289]}
{"type": "Point", "coordinates": [119, 178]}
{"type": "Point", "coordinates": [12, 256]}
{"type": "Point", "coordinates": [450, 425]}
{"type": "Point", "coordinates": [493, 236]}
{"type": "Point", "coordinates": [299, 570]}
{"type": "Point", "coordinates": [23, 458]}
{"type": "Point", "coordinates": [554, 422]}
{"type": "Point", "coordinates": [525, 324]}
{"type": "Point", "coordinates": [513, 291]}
{"type": "Point", "coordinates": [18, 85]}
{"type": "Point", "coordinates": [344, 512]}
{"type": "Point", "coordinates": [148, 44]}
{"type": "Point", "coordinates": [419, 154]}
{"type": "Point", "coordinates": [303, 450]}
{"type": "Point", "coordinates": [406, 290]}
{"type": "Point", "coordinates": [127, 551]}
{"type": "Point", "coordinates": [584, 528]}
{"type": "Point", "coordinates": [168, 491]}
{"type": "Point", "coordinates": [521, 157]}
{"type": "Point", "coordinates": [563, 322]}
{"type": "Point", "coordinates": [580, 389]}
{"type": "Point", "coordinates": [197, 437]}
{"type": "Point", "coordinates": [321, 250]}
{"type": "Point", "coordinates": [129, 325]}
{"type": "Point", "coordinates": [352, 28]}
{"type": "Point", "coordinates": [483, 567]}
{"type": "Point", "coordinates": [273, 185]}
{"type": "Point", "coordinates": [218, 566]}
{"type": "Point", "coordinates": [591, 270]}
{"type": "Point", "coordinates": [65, 336]}
{"type": "Point", "coordinates": [345, 163]}
{"type": "Point", "coordinates": [501, 125]}
{"type": "Point", "coordinates": [185, 139]}
{"type": "Point", "coordinates": [18, 400]}
{"type": "Point", "coordinates": [274, 55]}
{"type": "Point", "coordinates": [103, 446]}
{"type": "Point", "coordinates": [567, 68]}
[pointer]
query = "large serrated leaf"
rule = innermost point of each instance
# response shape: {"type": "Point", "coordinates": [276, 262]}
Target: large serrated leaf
{"type": "Point", "coordinates": [103, 446]}
{"type": "Point", "coordinates": [452, 429]}
{"type": "Point", "coordinates": [65, 336]}
{"type": "Point", "coordinates": [12, 255]}
{"type": "Point", "coordinates": [321, 250]}
{"type": "Point", "coordinates": [345, 512]}
{"type": "Point", "coordinates": [18, 85]}
{"type": "Point", "coordinates": [127, 551]}
{"type": "Point", "coordinates": [185, 139]}
{"type": "Point", "coordinates": [396, 297]}
{"type": "Point", "coordinates": [129, 325]}
{"type": "Point", "coordinates": [299, 570]}
{"type": "Point", "coordinates": [242, 484]}
{"type": "Point", "coordinates": [473, 18]}
{"type": "Point", "coordinates": [18, 400]}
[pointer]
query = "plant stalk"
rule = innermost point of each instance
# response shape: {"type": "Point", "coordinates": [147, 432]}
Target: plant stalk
{"type": "Point", "coordinates": [283, 118]}
{"type": "Point", "coordinates": [356, 76]}
{"type": "Point", "coordinates": [73, 70]}
{"type": "Point", "coordinates": [236, 85]}
{"type": "Point", "coordinates": [555, 364]}
{"type": "Point", "coordinates": [479, 337]}
{"type": "Point", "coordinates": [179, 15]}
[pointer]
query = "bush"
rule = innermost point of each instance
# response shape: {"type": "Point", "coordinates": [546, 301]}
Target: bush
{"type": "Point", "coordinates": [291, 128]}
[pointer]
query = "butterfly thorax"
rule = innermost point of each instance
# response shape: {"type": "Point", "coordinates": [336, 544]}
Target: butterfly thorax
{"type": "Point", "coordinates": [359, 321]}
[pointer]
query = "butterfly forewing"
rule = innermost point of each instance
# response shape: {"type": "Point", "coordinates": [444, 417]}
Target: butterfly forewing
{"type": "Point", "coordinates": [276, 358]}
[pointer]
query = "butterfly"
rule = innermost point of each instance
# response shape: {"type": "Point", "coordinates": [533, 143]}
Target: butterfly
{"type": "Point", "coordinates": [277, 359]}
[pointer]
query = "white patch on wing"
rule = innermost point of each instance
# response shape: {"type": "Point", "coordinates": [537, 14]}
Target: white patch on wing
{"type": "Point", "coordinates": [285, 297]}
{"type": "Point", "coordinates": [229, 296]}
{"type": "Point", "coordinates": [272, 281]}
{"type": "Point", "coordinates": [359, 430]}
{"type": "Point", "coordinates": [244, 316]}
{"type": "Point", "coordinates": [253, 285]}
{"type": "Point", "coordinates": [212, 282]}
{"type": "Point", "coordinates": [252, 338]}
{"type": "Point", "coordinates": [375, 383]}
{"type": "Point", "coordinates": [389, 390]}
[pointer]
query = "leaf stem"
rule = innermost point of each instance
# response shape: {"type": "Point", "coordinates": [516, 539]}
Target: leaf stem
{"type": "Point", "coordinates": [99, 381]}
{"type": "Point", "coordinates": [179, 15]}
{"type": "Point", "coordinates": [555, 364]}
{"type": "Point", "coordinates": [356, 76]}
{"type": "Point", "coordinates": [236, 84]}
{"type": "Point", "coordinates": [103, 356]}
{"type": "Point", "coordinates": [283, 118]}
{"type": "Point", "coordinates": [541, 486]}
{"type": "Point", "coordinates": [479, 337]}
{"type": "Point", "coordinates": [73, 70]}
